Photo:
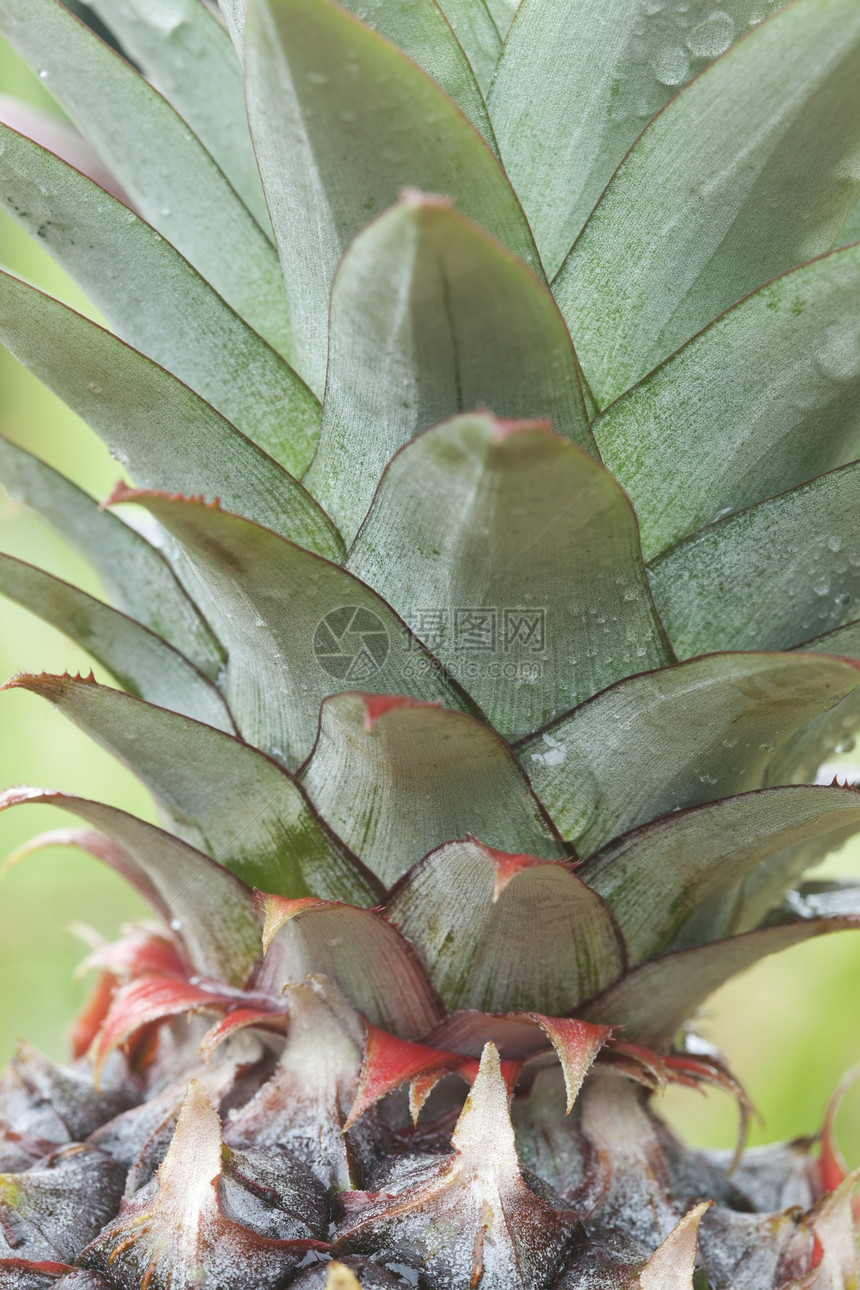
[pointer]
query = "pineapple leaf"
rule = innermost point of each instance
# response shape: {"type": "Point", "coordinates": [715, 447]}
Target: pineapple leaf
{"type": "Point", "coordinates": [166, 435]}
{"type": "Point", "coordinates": [184, 51]}
{"type": "Point", "coordinates": [141, 661]}
{"type": "Point", "coordinates": [164, 168]}
{"type": "Point", "coordinates": [422, 32]}
{"type": "Point", "coordinates": [59, 137]}
{"type": "Point", "coordinates": [213, 912]}
{"type": "Point", "coordinates": [477, 32]}
{"type": "Point", "coordinates": [655, 999]}
{"type": "Point", "coordinates": [341, 121]}
{"type": "Point", "coordinates": [693, 733]}
{"type": "Point", "coordinates": [263, 829]}
{"type": "Point", "coordinates": [509, 525]}
{"type": "Point", "coordinates": [233, 13]}
{"type": "Point", "coordinates": [368, 958]}
{"type": "Point", "coordinates": [294, 626]}
{"type": "Point", "coordinates": [604, 68]}
{"type": "Point", "coordinates": [769, 576]}
{"type": "Point", "coordinates": [135, 575]}
{"type": "Point", "coordinates": [762, 400]}
{"type": "Point", "coordinates": [799, 759]}
{"type": "Point", "coordinates": [157, 302]}
{"type": "Point", "coordinates": [654, 878]}
{"type": "Point", "coordinates": [431, 317]}
{"type": "Point", "coordinates": [850, 231]}
{"type": "Point", "coordinates": [745, 173]}
{"type": "Point", "coordinates": [471, 912]}
{"type": "Point", "coordinates": [394, 785]}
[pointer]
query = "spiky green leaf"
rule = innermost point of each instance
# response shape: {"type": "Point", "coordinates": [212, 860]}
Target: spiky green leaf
{"type": "Point", "coordinates": [183, 51]}
{"type": "Point", "coordinates": [341, 121]}
{"type": "Point", "coordinates": [523, 570]}
{"type": "Point", "coordinates": [157, 302]}
{"type": "Point", "coordinates": [657, 997]}
{"type": "Point", "coordinates": [213, 912]}
{"type": "Point", "coordinates": [221, 795]}
{"type": "Point", "coordinates": [768, 577]}
{"type": "Point", "coordinates": [396, 779]}
{"type": "Point", "coordinates": [164, 168]}
{"type": "Point", "coordinates": [135, 575]}
{"type": "Point", "coordinates": [295, 627]}
{"type": "Point", "coordinates": [654, 878]}
{"type": "Point", "coordinates": [693, 733]}
{"type": "Point", "coordinates": [370, 960]}
{"type": "Point", "coordinates": [478, 32]}
{"type": "Point", "coordinates": [166, 435]}
{"type": "Point", "coordinates": [140, 660]}
{"type": "Point", "coordinates": [604, 68]}
{"type": "Point", "coordinates": [420, 29]}
{"type": "Point", "coordinates": [745, 173]}
{"type": "Point", "coordinates": [471, 914]}
{"type": "Point", "coordinates": [763, 399]}
{"type": "Point", "coordinates": [431, 317]}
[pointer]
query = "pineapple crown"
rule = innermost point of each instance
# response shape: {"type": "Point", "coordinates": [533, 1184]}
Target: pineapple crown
{"type": "Point", "coordinates": [497, 601]}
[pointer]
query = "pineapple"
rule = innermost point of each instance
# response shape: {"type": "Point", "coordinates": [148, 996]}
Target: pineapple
{"type": "Point", "coordinates": [484, 606]}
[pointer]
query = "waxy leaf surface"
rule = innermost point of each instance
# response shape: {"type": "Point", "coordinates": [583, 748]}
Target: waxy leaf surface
{"type": "Point", "coordinates": [153, 424]}
{"type": "Point", "coordinates": [135, 575]}
{"type": "Point", "coordinates": [214, 912]}
{"type": "Point", "coordinates": [295, 627]}
{"type": "Point", "coordinates": [166, 171]}
{"type": "Point", "coordinates": [768, 577]}
{"type": "Point", "coordinates": [657, 997]}
{"type": "Point", "coordinates": [221, 795]}
{"type": "Point", "coordinates": [368, 958]}
{"type": "Point", "coordinates": [419, 28]}
{"type": "Point", "coordinates": [341, 122]}
{"type": "Point", "coordinates": [744, 174]}
{"type": "Point", "coordinates": [471, 913]}
{"type": "Point", "coordinates": [431, 317]}
{"type": "Point", "coordinates": [655, 877]}
{"type": "Point", "coordinates": [480, 27]}
{"type": "Point", "coordinates": [186, 54]}
{"type": "Point", "coordinates": [763, 399]}
{"type": "Point", "coordinates": [141, 661]}
{"type": "Point", "coordinates": [702, 730]}
{"type": "Point", "coordinates": [157, 302]}
{"type": "Point", "coordinates": [604, 68]}
{"type": "Point", "coordinates": [396, 787]}
{"type": "Point", "coordinates": [515, 557]}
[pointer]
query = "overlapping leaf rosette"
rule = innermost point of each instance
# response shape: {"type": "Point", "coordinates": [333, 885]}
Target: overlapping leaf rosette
{"type": "Point", "coordinates": [481, 741]}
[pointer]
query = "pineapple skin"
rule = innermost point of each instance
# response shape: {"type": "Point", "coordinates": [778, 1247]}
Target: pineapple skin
{"type": "Point", "coordinates": [493, 398]}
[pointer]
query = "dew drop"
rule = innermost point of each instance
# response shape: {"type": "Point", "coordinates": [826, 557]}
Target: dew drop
{"type": "Point", "coordinates": [821, 586]}
{"type": "Point", "coordinates": [712, 36]}
{"type": "Point", "coordinates": [845, 746]}
{"type": "Point", "coordinates": [672, 66]}
{"type": "Point", "coordinates": [835, 543]}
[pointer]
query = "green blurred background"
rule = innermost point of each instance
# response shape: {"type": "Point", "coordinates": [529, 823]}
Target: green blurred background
{"type": "Point", "coordinates": [789, 1027]}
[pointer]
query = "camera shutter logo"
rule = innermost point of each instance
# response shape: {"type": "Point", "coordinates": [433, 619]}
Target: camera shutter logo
{"type": "Point", "coordinates": [351, 644]}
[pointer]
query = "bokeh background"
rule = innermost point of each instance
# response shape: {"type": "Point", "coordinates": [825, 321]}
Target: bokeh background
{"type": "Point", "coordinates": [790, 1027]}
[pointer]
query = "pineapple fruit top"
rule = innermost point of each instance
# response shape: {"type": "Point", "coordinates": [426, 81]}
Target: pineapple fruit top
{"type": "Point", "coordinates": [489, 381]}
